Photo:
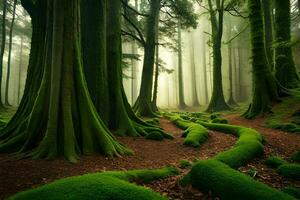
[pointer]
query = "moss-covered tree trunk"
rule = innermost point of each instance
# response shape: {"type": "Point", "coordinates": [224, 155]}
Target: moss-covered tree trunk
{"type": "Point", "coordinates": [231, 100]}
{"type": "Point", "coordinates": [181, 102]}
{"type": "Point", "coordinates": [156, 75]}
{"type": "Point", "coordinates": [93, 36]}
{"type": "Point", "coordinates": [285, 70]}
{"type": "Point", "coordinates": [57, 115]}
{"type": "Point", "coordinates": [205, 70]}
{"type": "Point", "coordinates": [2, 48]}
{"type": "Point", "coordinates": [142, 105]}
{"type": "Point", "coordinates": [217, 101]}
{"type": "Point", "coordinates": [267, 6]}
{"type": "Point", "coordinates": [264, 84]}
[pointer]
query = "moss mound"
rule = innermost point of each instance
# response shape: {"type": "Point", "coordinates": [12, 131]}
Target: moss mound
{"type": "Point", "coordinates": [274, 162]}
{"type": "Point", "coordinates": [185, 164]}
{"type": "Point", "coordinates": [155, 136]}
{"type": "Point", "coordinates": [290, 171]}
{"type": "Point", "coordinates": [100, 186]}
{"type": "Point", "coordinates": [296, 156]}
{"type": "Point", "coordinates": [215, 115]}
{"type": "Point", "coordinates": [220, 121]}
{"type": "Point", "coordinates": [295, 192]}
{"type": "Point", "coordinates": [229, 184]}
{"type": "Point", "coordinates": [248, 146]}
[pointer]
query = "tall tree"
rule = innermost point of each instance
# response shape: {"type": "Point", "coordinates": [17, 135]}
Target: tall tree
{"type": "Point", "coordinates": [265, 90]}
{"type": "Point", "coordinates": [217, 101]}
{"type": "Point", "coordinates": [205, 69]}
{"type": "Point", "coordinates": [142, 105]}
{"type": "Point", "coordinates": [9, 51]}
{"type": "Point", "coordinates": [56, 115]}
{"type": "Point", "coordinates": [181, 102]}
{"type": "Point", "coordinates": [195, 101]}
{"type": "Point", "coordinates": [267, 6]}
{"type": "Point", "coordinates": [285, 70]}
{"type": "Point", "coordinates": [156, 74]}
{"type": "Point", "coordinates": [3, 42]}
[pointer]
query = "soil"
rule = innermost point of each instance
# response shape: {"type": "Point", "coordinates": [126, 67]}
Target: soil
{"type": "Point", "coordinates": [277, 143]}
{"type": "Point", "coordinates": [19, 175]}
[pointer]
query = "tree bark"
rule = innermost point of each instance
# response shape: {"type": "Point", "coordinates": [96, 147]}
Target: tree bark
{"type": "Point", "coordinates": [20, 70]}
{"type": "Point", "coordinates": [205, 70]}
{"type": "Point", "coordinates": [156, 75]}
{"type": "Point", "coordinates": [285, 70]}
{"type": "Point", "coordinates": [264, 85]}
{"type": "Point", "coordinates": [217, 101]}
{"type": "Point", "coordinates": [142, 105]}
{"type": "Point", "coordinates": [57, 116]}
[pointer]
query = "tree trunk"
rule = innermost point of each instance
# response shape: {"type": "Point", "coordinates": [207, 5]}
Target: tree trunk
{"type": "Point", "coordinates": [62, 120]}
{"type": "Point", "coordinates": [142, 105]}
{"type": "Point", "coordinates": [20, 70]}
{"type": "Point", "coordinates": [285, 70]}
{"type": "Point", "coordinates": [156, 74]}
{"type": "Point", "coordinates": [217, 101]}
{"type": "Point", "coordinates": [268, 30]}
{"type": "Point", "coordinates": [3, 42]}
{"type": "Point", "coordinates": [9, 51]}
{"type": "Point", "coordinates": [205, 70]}
{"type": "Point", "coordinates": [231, 100]}
{"type": "Point", "coordinates": [264, 85]}
{"type": "Point", "coordinates": [194, 75]}
{"type": "Point", "coordinates": [181, 103]}
{"type": "Point", "coordinates": [93, 37]}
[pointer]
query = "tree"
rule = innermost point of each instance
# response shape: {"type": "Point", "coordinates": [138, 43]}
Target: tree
{"type": "Point", "coordinates": [217, 101]}
{"type": "Point", "coordinates": [181, 103]}
{"type": "Point", "coordinates": [267, 6]}
{"type": "Point", "coordinates": [265, 90]}
{"type": "Point", "coordinates": [194, 75]}
{"type": "Point", "coordinates": [285, 70]}
{"type": "Point", "coordinates": [56, 115]}
{"type": "Point", "coordinates": [142, 105]}
{"type": "Point", "coordinates": [9, 51]}
{"type": "Point", "coordinates": [205, 69]}
{"type": "Point", "coordinates": [3, 42]}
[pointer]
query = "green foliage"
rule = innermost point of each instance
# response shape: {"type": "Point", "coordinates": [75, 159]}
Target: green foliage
{"type": "Point", "coordinates": [227, 184]}
{"type": "Point", "coordinates": [290, 171]}
{"type": "Point", "coordinates": [185, 164]}
{"type": "Point", "coordinates": [251, 172]}
{"type": "Point", "coordinates": [215, 115]}
{"type": "Point", "coordinates": [220, 121]}
{"type": "Point", "coordinates": [275, 162]}
{"type": "Point", "coordinates": [296, 156]}
{"type": "Point", "coordinates": [154, 136]}
{"type": "Point", "coordinates": [101, 186]}
{"type": "Point", "coordinates": [288, 127]}
{"type": "Point", "coordinates": [295, 192]}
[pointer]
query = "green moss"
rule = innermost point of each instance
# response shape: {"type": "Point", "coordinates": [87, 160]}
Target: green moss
{"type": "Point", "coordinates": [288, 127]}
{"type": "Point", "coordinates": [290, 171]}
{"type": "Point", "coordinates": [251, 172]}
{"type": "Point", "coordinates": [220, 121]}
{"type": "Point", "coordinates": [196, 135]}
{"type": "Point", "coordinates": [101, 186]}
{"type": "Point", "coordinates": [248, 146]}
{"type": "Point", "coordinates": [275, 161]}
{"type": "Point", "coordinates": [228, 184]}
{"type": "Point", "coordinates": [215, 115]}
{"type": "Point", "coordinates": [185, 164]}
{"type": "Point", "coordinates": [296, 156]}
{"type": "Point", "coordinates": [295, 192]}
{"type": "Point", "coordinates": [154, 136]}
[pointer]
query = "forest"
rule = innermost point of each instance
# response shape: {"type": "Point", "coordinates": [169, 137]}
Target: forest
{"type": "Point", "coordinates": [150, 99]}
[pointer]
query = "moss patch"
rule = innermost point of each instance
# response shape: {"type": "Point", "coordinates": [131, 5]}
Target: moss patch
{"type": "Point", "coordinates": [296, 156]}
{"type": "Point", "coordinates": [290, 171]}
{"type": "Point", "coordinates": [220, 121]}
{"type": "Point", "coordinates": [155, 136]}
{"type": "Point", "coordinates": [295, 192]}
{"type": "Point", "coordinates": [275, 161]}
{"type": "Point", "coordinates": [185, 164]}
{"type": "Point", "coordinates": [228, 184]}
{"type": "Point", "coordinates": [101, 186]}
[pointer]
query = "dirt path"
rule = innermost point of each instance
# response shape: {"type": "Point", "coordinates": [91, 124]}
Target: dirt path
{"type": "Point", "coordinates": [18, 175]}
{"type": "Point", "coordinates": [277, 143]}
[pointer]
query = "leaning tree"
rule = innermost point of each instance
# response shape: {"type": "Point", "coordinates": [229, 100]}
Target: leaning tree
{"type": "Point", "coordinates": [56, 115]}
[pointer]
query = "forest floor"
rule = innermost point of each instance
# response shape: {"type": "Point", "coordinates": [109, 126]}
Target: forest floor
{"type": "Point", "coordinates": [19, 175]}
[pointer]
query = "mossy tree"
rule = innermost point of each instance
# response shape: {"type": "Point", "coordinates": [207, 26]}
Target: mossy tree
{"type": "Point", "coordinates": [3, 42]}
{"type": "Point", "coordinates": [57, 115]}
{"type": "Point", "coordinates": [265, 89]}
{"type": "Point", "coordinates": [285, 70]}
{"type": "Point", "coordinates": [216, 11]}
